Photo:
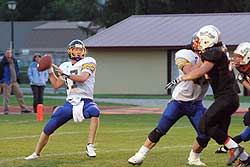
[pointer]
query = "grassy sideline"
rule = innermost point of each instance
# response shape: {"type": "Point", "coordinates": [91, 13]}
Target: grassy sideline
{"type": "Point", "coordinates": [119, 136]}
{"type": "Point", "coordinates": [54, 102]}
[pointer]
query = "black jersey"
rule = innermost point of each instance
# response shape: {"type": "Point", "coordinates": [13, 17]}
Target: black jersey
{"type": "Point", "coordinates": [222, 80]}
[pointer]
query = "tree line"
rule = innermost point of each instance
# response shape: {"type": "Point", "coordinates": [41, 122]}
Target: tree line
{"type": "Point", "coordinates": [109, 12]}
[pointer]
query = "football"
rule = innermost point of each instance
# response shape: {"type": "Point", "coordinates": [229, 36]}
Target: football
{"type": "Point", "coordinates": [45, 63]}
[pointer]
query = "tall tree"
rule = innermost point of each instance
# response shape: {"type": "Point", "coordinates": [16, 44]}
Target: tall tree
{"type": "Point", "coordinates": [109, 12]}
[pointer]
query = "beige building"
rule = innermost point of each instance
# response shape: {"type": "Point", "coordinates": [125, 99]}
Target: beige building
{"type": "Point", "coordinates": [130, 71]}
{"type": "Point", "coordinates": [136, 56]}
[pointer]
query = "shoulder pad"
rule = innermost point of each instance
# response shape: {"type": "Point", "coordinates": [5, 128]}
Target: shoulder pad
{"type": "Point", "coordinates": [89, 60]}
{"type": "Point", "coordinates": [65, 65]}
{"type": "Point", "coordinates": [85, 61]}
{"type": "Point", "coordinates": [189, 55]}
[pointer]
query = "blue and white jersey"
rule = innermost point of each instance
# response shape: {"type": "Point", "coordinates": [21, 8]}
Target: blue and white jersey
{"type": "Point", "coordinates": [77, 89]}
{"type": "Point", "coordinates": [188, 90]}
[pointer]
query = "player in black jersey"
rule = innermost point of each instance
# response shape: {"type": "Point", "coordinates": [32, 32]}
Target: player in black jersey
{"type": "Point", "coordinates": [215, 66]}
{"type": "Point", "coordinates": [241, 61]}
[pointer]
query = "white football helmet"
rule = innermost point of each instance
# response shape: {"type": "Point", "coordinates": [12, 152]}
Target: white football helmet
{"type": "Point", "coordinates": [207, 37]}
{"type": "Point", "coordinates": [243, 49]}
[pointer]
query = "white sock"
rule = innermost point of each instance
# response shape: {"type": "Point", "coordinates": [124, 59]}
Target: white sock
{"type": "Point", "coordinates": [193, 155]}
{"type": "Point", "coordinates": [144, 150]}
{"type": "Point", "coordinates": [243, 156]}
{"type": "Point", "coordinates": [230, 143]}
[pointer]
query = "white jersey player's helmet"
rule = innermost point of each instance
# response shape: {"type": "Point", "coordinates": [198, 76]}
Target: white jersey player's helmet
{"type": "Point", "coordinates": [207, 37]}
{"type": "Point", "coordinates": [243, 49]}
{"type": "Point", "coordinates": [76, 50]}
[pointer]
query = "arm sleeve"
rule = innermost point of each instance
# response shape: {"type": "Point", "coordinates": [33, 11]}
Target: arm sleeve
{"type": "Point", "coordinates": [181, 62]}
{"type": "Point", "coordinates": [89, 66]}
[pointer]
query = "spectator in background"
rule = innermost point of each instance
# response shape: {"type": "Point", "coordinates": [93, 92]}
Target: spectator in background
{"type": "Point", "coordinates": [37, 81]}
{"type": "Point", "coordinates": [1, 88]}
{"type": "Point", "coordinates": [9, 78]}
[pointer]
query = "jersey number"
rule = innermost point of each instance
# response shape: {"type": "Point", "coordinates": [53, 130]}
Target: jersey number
{"type": "Point", "coordinates": [71, 84]}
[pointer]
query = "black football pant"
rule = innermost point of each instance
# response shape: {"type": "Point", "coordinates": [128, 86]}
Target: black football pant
{"type": "Point", "coordinates": [37, 95]}
{"type": "Point", "coordinates": [215, 122]}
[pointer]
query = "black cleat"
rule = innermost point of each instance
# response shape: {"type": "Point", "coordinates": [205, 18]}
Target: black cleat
{"type": "Point", "coordinates": [221, 149]}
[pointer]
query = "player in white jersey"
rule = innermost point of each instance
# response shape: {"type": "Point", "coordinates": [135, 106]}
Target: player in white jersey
{"type": "Point", "coordinates": [186, 101]}
{"type": "Point", "coordinates": [188, 90]}
{"type": "Point", "coordinates": [79, 89]}
{"type": "Point", "coordinates": [79, 77]}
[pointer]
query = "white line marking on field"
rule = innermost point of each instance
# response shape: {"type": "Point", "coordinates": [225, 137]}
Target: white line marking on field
{"type": "Point", "coordinates": [48, 155]}
{"type": "Point", "coordinates": [142, 129]}
{"type": "Point", "coordinates": [99, 151]}
{"type": "Point", "coordinates": [34, 136]}
{"type": "Point", "coordinates": [157, 148]}
{"type": "Point", "coordinates": [17, 122]}
{"type": "Point", "coordinates": [70, 133]}
{"type": "Point", "coordinates": [10, 160]}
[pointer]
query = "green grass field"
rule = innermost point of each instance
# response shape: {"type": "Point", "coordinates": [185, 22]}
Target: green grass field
{"type": "Point", "coordinates": [119, 136]}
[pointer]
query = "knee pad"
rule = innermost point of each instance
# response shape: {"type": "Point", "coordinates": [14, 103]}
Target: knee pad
{"type": "Point", "coordinates": [202, 141]}
{"type": "Point", "coordinates": [91, 110]}
{"type": "Point", "coordinates": [155, 135]}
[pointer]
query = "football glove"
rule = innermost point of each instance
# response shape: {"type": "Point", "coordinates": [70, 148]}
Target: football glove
{"type": "Point", "coordinates": [240, 77]}
{"type": "Point", "coordinates": [246, 118]}
{"type": "Point", "coordinates": [173, 83]}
